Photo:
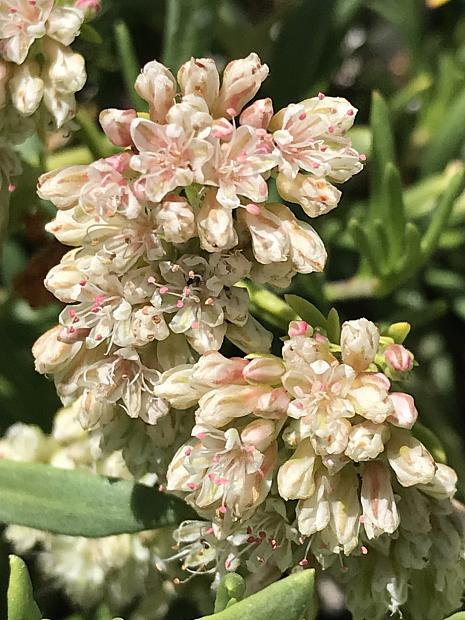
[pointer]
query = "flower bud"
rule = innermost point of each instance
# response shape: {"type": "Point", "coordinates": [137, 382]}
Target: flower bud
{"type": "Point", "coordinates": [315, 196]}
{"type": "Point", "coordinates": [443, 485]}
{"type": "Point", "coordinates": [398, 357]}
{"type": "Point", "coordinates": [176, 219]}
{"type": "Point", "coordinates": [177, 388]}
{"type": "Point", "coordinates": [62, 186]}
{"type": "Point", "coordinates": [215, 225]}
{"type": "Point", "coordinates": [258, 114]}
{"type": "Point", "coordinates": [63, 23]}
{"type": "Point", "coordinates": [270, 240]}
{"type": "Point", "coordinates": [359, 343]}
{"type": "Point", "coordinates": [405, 413]}
{"type": "Point", "coordinates": [296, 476]}
{"type": "Point", "coordinates": [366, 441]}
{"type": "Point", "coordinates": [264, 370]}
{"type": "Point", "coordinates": [259, 434]}
{"type": "Point", "coordinates": [26, 88]}
{"type": "Point", "coordinates": [410, 460]}
{"type": "Point", "coordinates": [219, 407]}
{"type": "Point", "coordinates": [214, 370]}
{"type": "Point", "coordinates": [50, 354]}
{"type": "Point", "coordinates": [192, 114]}
{"type": "Point", "coordinates": [299, 328]}
{"type": "Point", "coordinates": [90, 7]}
{"type": "Point", "coordinates": [222, 129]}
{"type": "Point", "coordinates": [157, 86]}
{"type": "Point", "coordinates": [307, 251]}
{"type": "Point", "coordinates": [241, 80]}
{"type": "Point", "coordinates": [273, 405]}
{"type": "Point", "coordinates": [66, 71]}
{"type": "Point", "coordinates": [62, 106]}
{"type": "Point", "coordinates": [117, 125]}
{"type": "Point", "coordinates": [199, 76]}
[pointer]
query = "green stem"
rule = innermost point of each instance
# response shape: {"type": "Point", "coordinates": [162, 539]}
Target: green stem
{"type": "Point", "coordinates": [92, 137]}
{"type": "Point", "coordinates": [129, 63]}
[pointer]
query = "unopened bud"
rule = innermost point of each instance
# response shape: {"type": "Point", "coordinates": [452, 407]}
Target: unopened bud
{"type": "Point", "coordinates": [176, 219]}
{"type": "Point", "coordinates": [117, 125]}
{"type": "Point", "coordinates": [199, 76]}
{"type": "Point", "coordinates": [241, 80]}
{"type": "Point", "coordinates": [359, 343]}
{"type": "Point", "coordinates": [157, 86]}
{"type": "Point", "coordinates": [52, 354]}
{"type": "Point", "coordinates": [26, 88]}
{"type": "Point", "coordinates": [405, 413]}
{"type": "Point", "coordinates": [398, 357]}
{"type": "Point", "coordinates": [264, 370]}
{"type": "Point", "coordinates": [259, 434]}
{"type": "Point", "coordinates": [258, 114]}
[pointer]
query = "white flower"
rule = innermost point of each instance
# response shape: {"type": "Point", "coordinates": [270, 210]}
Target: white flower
{"type": "Point", "coordinates": [359, 343]}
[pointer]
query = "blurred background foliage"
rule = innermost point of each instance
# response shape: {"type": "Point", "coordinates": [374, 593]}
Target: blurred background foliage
{"type": "Point", "coordinates": [396, 242]}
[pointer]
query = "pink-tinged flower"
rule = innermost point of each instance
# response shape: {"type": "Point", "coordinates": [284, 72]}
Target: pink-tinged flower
{"type": "Point", "coordinates": [258, 114]}
{"type": "Point", "coordinates": [296, 476]}
{"type": "Point", "coordinates": [117, 125]}
{"type": "Point", "coordinates": [398, 358]}
{"type": "Point", "coordinates": [192, 114]}
{"type": "Point", "coordinates": [236, 167]}
{"type": "Point", "coordinates": [51, 354]}
{"type": "Point", "coordinates": [315, 195]}
{"type": "Point", "coordinates": [107, 190]}
{"type": "Point", "coordinates": [63, 186]}
{"type": "Point", "coordinates": [380, 513]}
{"type": "Point", "coordinates": [176, 220]}
{"type": "Point", "coordinates": [359, 343]}
{"type": "Point", "coordinates": [410, 460]}
{"type": "Point", "coordinates": [264, 370]}
{"type": "Point", "coordinates": [199, 76]}
{"type": "Point", "coordinates": [167, 159]}
{"type": "Point", "coordinates": [241, 80]}
{"type": "Point", "coordinates": [366, 441]}
{"type": "Point", "coordinates": [193, 294]}
{"type": "Point", "coordinates": [21, 22]}
{"type": "Point", "coordinates": [215, 224]}
{"type": "Point", "coordinates": [223, 473]}
{"type": "Point", "coordinates": [91, 7]}
{"type": "Point", "coordinates": [123, 379]}
{"type": "Point", "coordinates": [222, 405]}
{"type": "Point", "coordinates": [213, 370]}
{"type": "Point", "coordinates": [369, 396]}
{"type": "Point", "coordinates": [333, 511]}
{"type": "Point", "coordinates": [156, 84]}
{"type": "Point", "coordinates": [64, 23]}
{"type": "Point", "coordinates": [405, 413]}
{"type": "Point", "coordinates": [309, 136]}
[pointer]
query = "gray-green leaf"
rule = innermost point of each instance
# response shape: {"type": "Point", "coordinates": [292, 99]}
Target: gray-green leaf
{"type": "Point", "coordinates": [78, 503]}
{"type": "Point", "coordinates": [287, 599]}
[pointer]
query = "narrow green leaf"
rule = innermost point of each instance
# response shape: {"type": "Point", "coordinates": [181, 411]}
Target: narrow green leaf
{"type": "Point", "coordinates": [366, 249]}
{"type": "Point", "coordinates": [129, 64]}
{"type": "Point", "coordinates": [77, 503]}
{"type": "Point", "coordinates": [410, 258]}
{"type": "Point", "coordinates": [396, 220]}
{"type": "Point", "coordinates": [230, 590]}
{"type": "Point", "coordinates": [446, 142]}
{"type": "Point", "coordinates": [382, 152]}
{"type": "Point", "coordinates": [380, 245]}
{"type": "Point", "coordinates": [88, 33]}
{"type": "Point", "coordinates": [20, 596]}
{"type": "Point", "coordinates": [441, 214]}
{"type": "Point", "coordinates": [333, 326]}
{"type": "Point", "coordinates": [459, 616]}
{"type": "Point", "coordinates": [189, 30]}
{"type": "Point", "coordinates": [287, 599]}
{"type": "Point", "coordinates": [306, 310]}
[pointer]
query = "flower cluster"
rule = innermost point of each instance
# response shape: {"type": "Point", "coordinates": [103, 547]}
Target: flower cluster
{"type": "Point", "coordinates": [119, 571]}
{"type": "Point", "coordinates": [164, 230]}
{"type": "Point", "coordinates": [39, 73]}
{"type": "Point", "coordinates": [321, 432]}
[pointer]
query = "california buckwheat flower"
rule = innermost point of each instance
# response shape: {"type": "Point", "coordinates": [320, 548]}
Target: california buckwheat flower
{"type": "Point", "coordinates": [349, 471]}
{"type": "Point", "coordinates": [161, 232]}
